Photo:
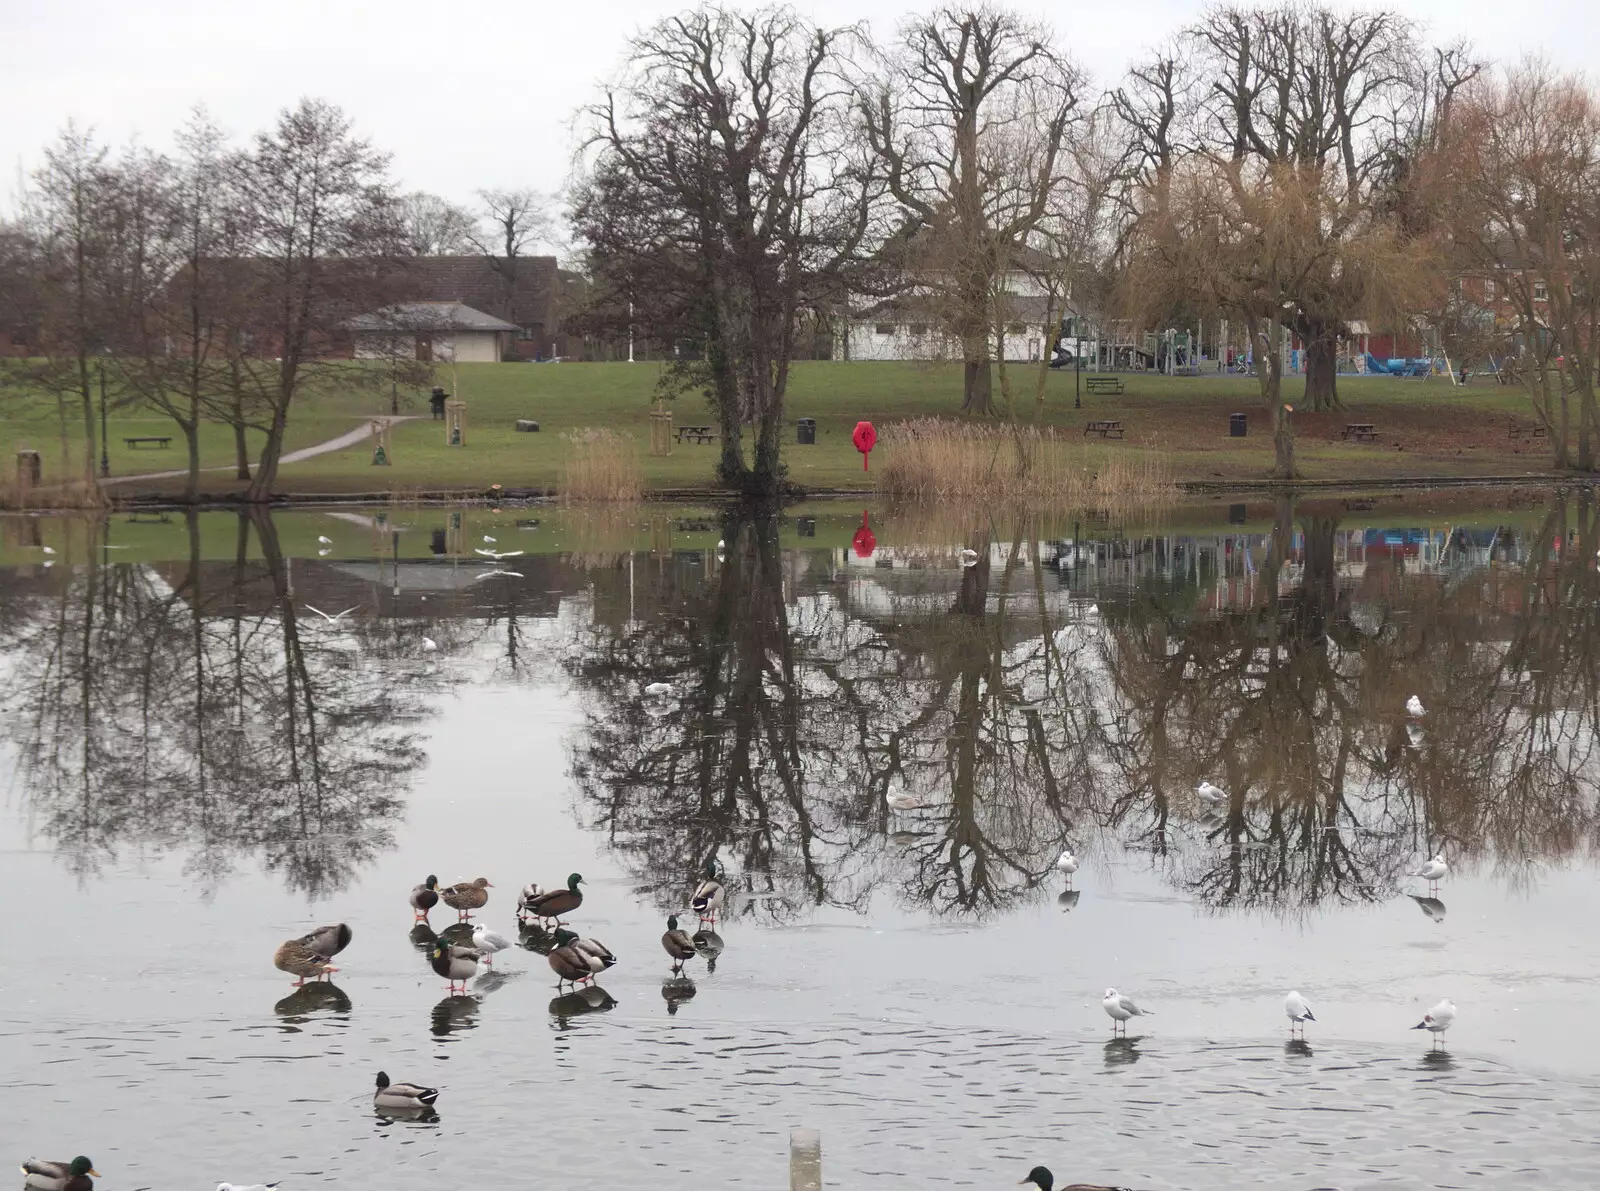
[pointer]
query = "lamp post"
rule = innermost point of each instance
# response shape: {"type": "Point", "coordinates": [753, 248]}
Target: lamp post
{"type": "Point", "coordinates": [105, 459]}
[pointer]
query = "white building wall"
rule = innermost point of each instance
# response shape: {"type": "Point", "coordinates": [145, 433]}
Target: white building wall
{"type": "Point", "coordinates": [466, 347]}
{"type": "Point", "coordinates": [902, 341]}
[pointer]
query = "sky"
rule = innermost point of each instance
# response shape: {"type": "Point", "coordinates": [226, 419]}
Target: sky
{"type": "Point", "coordinates": [481, 95]}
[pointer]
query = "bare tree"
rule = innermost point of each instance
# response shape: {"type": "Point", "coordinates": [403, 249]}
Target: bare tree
{"type": "Point", "coordinates": [434, 226]}
{"type": "Point", "coordinates": [512, 221]}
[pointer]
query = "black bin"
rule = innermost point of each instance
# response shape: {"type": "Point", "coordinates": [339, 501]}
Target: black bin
{"type": "Point", "coordinates": [806, 432]}
{"type": "Point", "coordinates": [1238, 425]}
{"type": "Point", "coordinates": [1237, 514]}
{"type": "Point", "coordinates": [805, 527]}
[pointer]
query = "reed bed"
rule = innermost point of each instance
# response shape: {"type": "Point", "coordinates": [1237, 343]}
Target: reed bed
{"type": "Point", "coordinates": [602, 465]}
{"type": "Point", "coordinates": [931, 460]}
{"type": "Point", "coordinates": [72, 495]}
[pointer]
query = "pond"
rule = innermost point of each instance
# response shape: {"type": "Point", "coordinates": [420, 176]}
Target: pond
{"type": "Point", "coordinates": [221, 732]}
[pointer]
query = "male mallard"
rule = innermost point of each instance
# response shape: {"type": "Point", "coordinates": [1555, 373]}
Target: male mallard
{"type": "Point", "coordinates": [44, 1175]}
{"type": "Point", "coordinates": [467, 896]}
{"type": "Point", "coordinates": [456, 964]}
{"type": "Point", "coordinates": [1041, 1178]}
{"type": "Point", "coordinates": [402, 1095]}
{"type": "Point", "coordinates": [530, 893]}
{"type": "Point", "coordinates": [709, 896]}
{"type": "Point", "coordinates": [295, 957]}
{"type": "Point", "coordinates": [598, 954]}
{"type": "Point", "coordinates": [677, 943]}
{"type": "Point", "coordinates": [556, 902]}
{"type": "Point", "coordinates": [424, 897]}
{"type": "Point", "coordinates": [328, 940]}
{"type": "Point", "coordinates": [567, 961]}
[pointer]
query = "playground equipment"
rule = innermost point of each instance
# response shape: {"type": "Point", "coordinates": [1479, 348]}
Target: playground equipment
{"type": "Point", "coordinates": [1420, 366]}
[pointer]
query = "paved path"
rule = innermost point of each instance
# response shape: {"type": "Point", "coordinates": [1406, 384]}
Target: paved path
{"type": "Point", "coordinates": [362, 431]}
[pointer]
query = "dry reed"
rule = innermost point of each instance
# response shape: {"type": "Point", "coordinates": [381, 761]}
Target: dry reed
{"type": "Point", "coordinates": [601, 465]}
{"type": "Point", "coordinates": [73, 494]}
{"type": "Point", "coordinates": [940, 459]}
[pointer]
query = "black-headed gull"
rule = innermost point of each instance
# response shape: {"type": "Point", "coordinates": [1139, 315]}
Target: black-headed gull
{"type": "Point", "coordinates": [1121, 1008]}
{"type": "Point", "coordinates": [1415, 708]}
{"type": "Point", "coordinates": [1297, 1009]}
{"type": "Point", "coordinates": [246, 1186]}
{"type": "Point", "coordinates": [488, 942]}
{"type": "Point", "coordinates": [1433, 871]}
{"type": "Point", "coordinates": [332, 619]}
{"type": "Point", "coordinates": [1438, 1019]}
{"type": "Point", "coordinates": [1067, 864]}
{"type": "Point", "coordinates": [1215, 795]}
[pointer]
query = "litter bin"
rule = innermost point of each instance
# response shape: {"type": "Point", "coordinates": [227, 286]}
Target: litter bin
{"type": "Point", "coordinates": [805, 527]}
{"type": "Point", "coordinates": [806, 432]}
{"type": "Point", "coordinates": [1238, 425]}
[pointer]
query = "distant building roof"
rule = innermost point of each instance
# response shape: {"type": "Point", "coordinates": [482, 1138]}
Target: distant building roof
{"type": "Point", "coordinates": [404, 318]}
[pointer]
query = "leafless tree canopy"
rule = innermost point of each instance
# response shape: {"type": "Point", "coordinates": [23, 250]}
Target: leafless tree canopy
{"type": "Point", "coordinates": [436, 227]}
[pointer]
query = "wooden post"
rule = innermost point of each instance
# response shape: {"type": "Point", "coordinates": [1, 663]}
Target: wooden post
{"type": "Point", "coordinates": [805, 1160]}
{"type": "Point", "coordinates": [661, 429]}
{"type": "Point", "coordinates": [28, 471]}
{"type": "Point", "coordinates": [455, 423]}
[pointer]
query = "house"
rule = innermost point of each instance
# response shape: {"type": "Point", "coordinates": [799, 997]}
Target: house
{"type": "Point", "coordinates": [448, 331]}
{"type": "Point", "coordinates": [908, 328]}
{"type": "Point", "coordinates": [529, 292]}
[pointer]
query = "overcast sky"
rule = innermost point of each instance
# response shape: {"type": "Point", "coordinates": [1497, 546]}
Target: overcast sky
{"type": "Point", "coordinates": [481, 94]}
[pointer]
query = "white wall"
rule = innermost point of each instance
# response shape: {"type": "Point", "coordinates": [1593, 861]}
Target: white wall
{"type": "Point", "coordinates": [467, 347]}
{"type": "Point", "coordinates": [866, 343]}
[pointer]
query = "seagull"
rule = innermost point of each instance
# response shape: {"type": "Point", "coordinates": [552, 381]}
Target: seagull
{"type": "Point", "coordinates": [1415, 708]}
{"type": "Point", "coordinates": [1433, 870]}
{"type": "Point", "coordinates": [1121, 1008]}
{"type": "Point", "coordinates": [899, 800]}
{"type": "Point", "coordinates": [47, 549]}
{"type": "Point", "coordinates": [1067, 864]}
{"type": "Point", "coordinates": [497, 555]}
{"type": "Point", "coordinates": [488, 539]}
{"type": "Point", "coordinates": [1297, 1009]}
{"type": "Point", "coordinates": [332, 619]}
{"type": "Point", "coordinates": [1438, 1019]}
{"type": "Point", "coordinates": [322, 541]}
{"type": "Point", "coordinates": [969, 557]}
{"type": "Point", "coordinates": [488, 942]}
{"type": "Point", "coordinates": [1215, 795]}
{"type": "Point", "coordinates": [246, 1187]}
{"type": "Point", "coordinates": [429, 645]}
{"type": "Point", "coordinates": [658, 690]}
{"type": "Point", "coordinates": [324, 552]}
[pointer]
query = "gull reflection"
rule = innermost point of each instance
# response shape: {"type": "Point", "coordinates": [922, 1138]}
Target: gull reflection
{"type": "Point", "coordinates": [1069, 898]}
{"type": "Point", "coordinates": [320, 997]}
{"type": "Point", "coordinates": [1298, 1048]}
{"type": "Point", "coordinates": [1437, 1060]}
{"type": "Point", "coordinates": [1122, 1052]}
{"type": "Point", "coordinates": [1431, 906]}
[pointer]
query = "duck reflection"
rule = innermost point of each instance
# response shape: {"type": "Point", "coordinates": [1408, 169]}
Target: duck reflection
{"type": "Point", "coordinates": [1298, 1048]}
{"type": "Point", "coordinates": [590, 998]}
{"type": "Point", "coordinates": [321, 997]}
{"type": "Point", "coordinates": [1431, 906]}
{"type": "Point", "coordinates": [1122, 1052]}
{"type": "Point", "coordinates": [422, 1114]}
{"type": "Point", "coordinates": [423, 938]}
{"type": "Point", "coordinates": [534, 937]}
{"type": "Point", "coordinates": [455, 1014]}
{"type": "Point", "coordinates": [676, 989]}
{"type": "Point", "coordinates": [708, 944]}
{"type": "Point", "coordinates": [1069, 898]}
{"type": "Point", "coordinates": [457, 934]}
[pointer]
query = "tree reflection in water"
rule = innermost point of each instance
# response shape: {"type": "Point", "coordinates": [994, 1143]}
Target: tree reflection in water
{"type": "Point", "coordinates": [1027, 714]}
{"type": "Point", "coordinates": [187, 707]}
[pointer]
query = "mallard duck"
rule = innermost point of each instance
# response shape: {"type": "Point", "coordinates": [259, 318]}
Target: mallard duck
{"type": "Point", "coordinates": [456, 964]}
{"type": "Point", "coordinates": [709, 896]}
{"type": "Point", "coordinates": [567, 961]}
{"type": "Point", "coordinates": [44, 1175]}
{"type": "Point", "coordinates": [402, 1095]}
{"type": "Point", "coordinates": [599, 955]}
{"type": "Point", "coordinates": [424, 897]}
{"type": "Point", "coordinates": [677, 943]}
{"type": "Point", "coordinates": [328, 940]}
{"type": "Point", "coordinates": [486, 942]}
{"type": "Point", "coordinates": [552, 904]}
{"type": "Point", "coordinates": [296, 958]}
{"type": "Point", "coordinates": [1041, 1178]}
{"type": "Point", "coordinates": [467, 897]}
{"type": "Point", "coordinates": [530, 894]}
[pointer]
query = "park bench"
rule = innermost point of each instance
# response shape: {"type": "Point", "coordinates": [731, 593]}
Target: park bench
{"type": "Point", "coordinates": [1103, 385]}
{"type": "Point", "coordinates": [1105, 429]}
{"type": "Point", "coordinates": [162, 441]}
{"type": "Point", "coordinates": [1534, 431]}
{"type": "Point", "coordinates": [1360, 431]}
{"type": "Point", "coordinates": [696, 434]}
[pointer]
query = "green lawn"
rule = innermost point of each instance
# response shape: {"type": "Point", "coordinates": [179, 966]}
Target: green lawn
{"type": "Point", "coordinates": [1428, 427]}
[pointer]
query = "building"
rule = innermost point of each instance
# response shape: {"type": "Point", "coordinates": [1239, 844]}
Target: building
{"type": "Point", "coordinates": [446, 331]}
{"type": "Point", "coordinates": [529, 292]}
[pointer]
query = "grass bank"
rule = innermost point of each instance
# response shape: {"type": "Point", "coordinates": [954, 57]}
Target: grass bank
{"type": "Point", "coordinates": [1425, 428]}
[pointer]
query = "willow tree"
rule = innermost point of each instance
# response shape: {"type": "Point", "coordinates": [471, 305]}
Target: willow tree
{"type": "Point", "coordinates": [722, 201]}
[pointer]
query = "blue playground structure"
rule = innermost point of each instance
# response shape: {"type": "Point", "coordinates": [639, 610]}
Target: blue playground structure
{"type": "Point", "coordinates": [1422, 366]}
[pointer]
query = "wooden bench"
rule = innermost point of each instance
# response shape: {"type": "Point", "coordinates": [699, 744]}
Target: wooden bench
{"type": "Point", "coordinates": [1105, 429]}
{"type": "Point", "coordinates": [1535, 431]}
{"type": "Point", "coordinates": [1360, 431]}
{"type": "Point", "coordinates": [1103, 386]}
{"type": "Point", "coordinates": [696, 434]}
{"type": "Point", "coordinates": [162, 441]}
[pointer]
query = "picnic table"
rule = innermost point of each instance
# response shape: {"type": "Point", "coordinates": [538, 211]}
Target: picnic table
{"type": "Point", "coordinates": [162, 441]}
{"type": "Point", "coordinates": [1104, 428]}
{"type": "Point", "coordinates": [1103, 385]}
{"type": "Point", "coordinates": [696, 434]}
{"type": "Point", "coordinates": [1360, 431]}
{"type": "Point", "coordinates": [1535, 431]}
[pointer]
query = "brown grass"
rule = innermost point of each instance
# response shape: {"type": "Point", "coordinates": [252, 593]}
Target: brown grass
{"type": "Point", "coordinates": [939, 459]}
{"type": "Point", "coordinates": [74, 494]}
{"type": "Point", "coordinates": [601, 465]}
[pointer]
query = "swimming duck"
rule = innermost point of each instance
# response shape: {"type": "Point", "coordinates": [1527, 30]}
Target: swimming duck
{"type": "Point", "coordinates": [402, 1095]}
{"type": "Point", "coordinates": [677, 943]}
{"type": "Point", "coordinates": [296, 958]}
{"type": "Point", "coordinates": [44, 1175]}
{"type": "Point", "coordinates": [424, 897]}
{"type": "Point", "coordinates": [709, 896]}
{"type": "Point", "coordinates": [556, 902]}
{"type": "Point", "coordinates": [328, 940]}
{"type": "Point", "coordinates": [467, 897]}
{"type": "Point", "coordinates": [568, 962]}
{"type": "Point", "coordinates": [487, 942]}
{"type": "Point", "coordinates": [456, 964]}
{"type": "Point", "coordinates": [1041, 1178]}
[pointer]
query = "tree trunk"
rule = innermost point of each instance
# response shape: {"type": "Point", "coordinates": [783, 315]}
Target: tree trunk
{"type": "Point", "coordinates": [1269, 375]}
{"type": "Point", "coordinates": [191, 434]}
{"type": "Point", "coordinates": [260, 490]}
{"type": "Point", "coordinates": [977, 385]}
{"type": "Point", "coordinates": [1322, 369]}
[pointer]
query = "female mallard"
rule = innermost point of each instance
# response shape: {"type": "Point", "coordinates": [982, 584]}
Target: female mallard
{"type": "Point", "coordinates": [44, 1175]}
{"type": "Point", "coordinates": [1041, 1178]}
{"type": "Point", "coordinates": [553, 903]}
{"type": "Point", "coordinates": [567, 961]}
{"type": "Point", "coordinates": [402, 1095]}
{"type": "Point", "coordinates": [424, 897]}
{"type": "Point", "coordinates": [456, 964]}
{"type": "Point", "coordinates": [710, 895]}
{"type": "Point", "coordinates": [297, 958]}
{"type": "Point", "coordinates": [328, 940]}
{"type": "Point", "coordinates": [467, 897]}
{"type": "Point", "coordinates": [677, 943]}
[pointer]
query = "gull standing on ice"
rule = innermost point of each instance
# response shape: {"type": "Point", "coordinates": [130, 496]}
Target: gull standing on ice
{"type": "Point", "coordinates": [1433, 871]}
{"type": "Point", "coordinates": [1297, 1009]}
{"type": "Point", "coordinates": [1067, 864]}
{"type": "Point", "coordinates": [1415, 708]}
{"type": "Point", "coordinates": [1215, 795]}
{"type": "Point", "coordinates": [1121, 1008]}
{"type": "Point", "coordinates": [1438, 1019]}
{"type": "Point", "coordinates": [488, 942]}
